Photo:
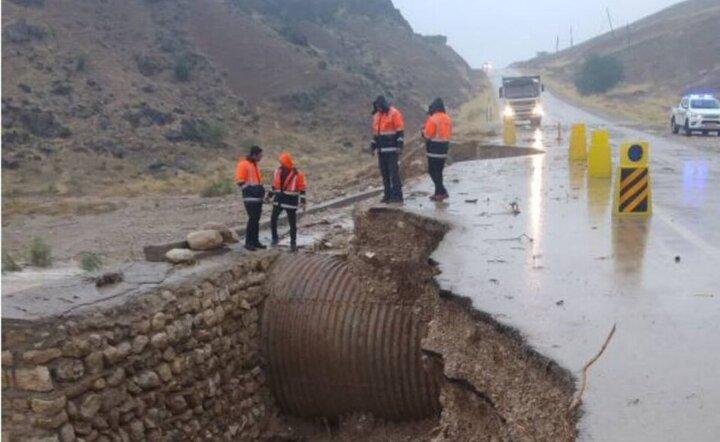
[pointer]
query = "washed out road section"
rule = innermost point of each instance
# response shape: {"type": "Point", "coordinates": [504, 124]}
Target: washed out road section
{"type": "Point", "coordinates": [562, 270]}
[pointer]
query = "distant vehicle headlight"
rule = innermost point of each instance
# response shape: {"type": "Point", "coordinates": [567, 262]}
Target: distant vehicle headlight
{"type": "Point", "coordinates": [538, 110]}
{"type": "Point", "coordinates": [508, 112]}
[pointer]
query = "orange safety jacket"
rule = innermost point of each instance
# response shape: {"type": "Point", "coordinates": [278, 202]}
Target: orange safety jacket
{"type": "Point", "coordinates": [437, 133]}
{"type": "Point", "coordinates": [289, 192]}
{"type": "Point", "coordinates": [247, 176]}
{"type": "Point", "coordinates": [388, 131]}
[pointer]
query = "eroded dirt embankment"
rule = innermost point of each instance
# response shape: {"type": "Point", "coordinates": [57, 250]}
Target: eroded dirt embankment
{"type": "Point", "coordinates": [493, 386]}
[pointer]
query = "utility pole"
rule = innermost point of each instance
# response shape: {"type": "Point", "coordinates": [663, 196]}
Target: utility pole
{"type": "Point", "coordinates": [557, 44]}
{"type": "Point", "coordinates": [572, 42]}
{"type": "Point", "coordinates": [627, 33]}
{"type": "Point", "coordinates": [612, 29]}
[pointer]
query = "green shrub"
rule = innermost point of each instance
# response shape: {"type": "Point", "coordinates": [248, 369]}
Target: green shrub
{"type": "Point", "coordinates": [212, 134]}
{"type": "Point", "coordinates": [148, 65]}
{"type": "Point", "coordinates": [81, 63]}
{"type": "Point", "coordinates": [218, 188]}
{"type": "Point", "coordinates": [182, 69]}
{"type": "Point", "coordinates": [294, 36]}
{"type": "Point", "coordinates": [598, 74]}
{"type": "Point", "coordinates": [90, 261]}
{"type": "Point", "coordinates": [40, 253]}
{"type": "Point", "coordinates": [207, 133]}
{"type": "Point", "coordinates": [9, 264]}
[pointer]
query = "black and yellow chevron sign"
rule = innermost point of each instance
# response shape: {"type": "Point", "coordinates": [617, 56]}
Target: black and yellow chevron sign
{"type": "Point", "coordinates": [633, 189]}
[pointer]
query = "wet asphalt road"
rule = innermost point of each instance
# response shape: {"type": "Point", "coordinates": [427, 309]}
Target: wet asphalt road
{"type": "Point", "coordinates": [564, 270]}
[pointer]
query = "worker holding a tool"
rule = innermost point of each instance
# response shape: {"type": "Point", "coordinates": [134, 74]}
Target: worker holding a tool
{"type": "Point", "coordinates": [287, 193]}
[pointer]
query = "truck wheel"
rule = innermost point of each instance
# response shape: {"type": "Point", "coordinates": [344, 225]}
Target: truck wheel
{"type": "Point", "coordinates": [687, 130]}
{"type": "Point", "coordinates": [706, 133]}
{"type": "Point", "coordinates": [674, 127]}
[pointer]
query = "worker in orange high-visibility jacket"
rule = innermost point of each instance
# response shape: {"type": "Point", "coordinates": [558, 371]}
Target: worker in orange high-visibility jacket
{"type": "Point", "coordinates": [288, 194]}
{"type": "Point", "coordinates": [437, 133]}
{"type": "Point", "coordinates": [388, 140]}
{"type": "Point", "coordinates": [249, 179]}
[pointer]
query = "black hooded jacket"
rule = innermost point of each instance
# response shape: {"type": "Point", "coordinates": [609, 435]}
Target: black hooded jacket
{"type": "Point", "coordinates": [380, 105]}
{"type": "Point", "coordinates": [436, 106]}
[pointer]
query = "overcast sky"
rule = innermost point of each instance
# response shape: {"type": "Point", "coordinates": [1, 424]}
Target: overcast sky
{"type": "Point", "coordinates": [504, 31]}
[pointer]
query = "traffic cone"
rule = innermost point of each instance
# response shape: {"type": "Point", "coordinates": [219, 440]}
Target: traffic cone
{"type": "Point", "coordinates": [578, 143]}
{"type": "Point", "coordinates": [509, 134]}
{"type": "Point", "coordinates": [599, 157]}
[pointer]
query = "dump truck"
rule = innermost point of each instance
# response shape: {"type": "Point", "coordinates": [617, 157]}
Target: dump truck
{"type": "Point", "coordinates": [522, 99]}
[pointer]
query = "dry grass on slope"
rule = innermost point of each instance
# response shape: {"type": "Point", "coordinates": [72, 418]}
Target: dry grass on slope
{"type": "Point", "coordinates": [662, 55]}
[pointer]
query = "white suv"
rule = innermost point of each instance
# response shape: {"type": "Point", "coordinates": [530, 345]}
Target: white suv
{"type": "Point", "coordinates": [699, 113]}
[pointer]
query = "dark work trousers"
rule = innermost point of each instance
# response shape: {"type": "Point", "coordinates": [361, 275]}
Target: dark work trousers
{"type": "Point", "coordinates": [435, 169]}
{"type": "Point", "coordinates": [252, 233]}
{"type": "Point", "coordinates": [391, 175]}
{"type": "Point", "coordinates": [292, 221]}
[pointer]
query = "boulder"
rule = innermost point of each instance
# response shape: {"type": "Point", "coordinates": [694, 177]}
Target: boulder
{"type": "Point", "coordinates": [205, 240]}
{"type": "Point", "coordinates": [180, 256]}
{"type": "Point", "coordinates": [228, 236]}
{"type": "Point", "coordinates": [156, 253]}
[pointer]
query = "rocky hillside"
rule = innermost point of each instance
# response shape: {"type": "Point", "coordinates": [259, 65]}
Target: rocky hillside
{"type": "Point", "coordinates": [662, 54]}
{"type": "Point", "coordinates": [133, 97]}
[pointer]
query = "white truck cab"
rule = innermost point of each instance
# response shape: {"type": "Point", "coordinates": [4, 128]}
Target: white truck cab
{"type": "Point", "coordinates": [522, 99]}
{"type": "Point", "coordinates": [696, 113]}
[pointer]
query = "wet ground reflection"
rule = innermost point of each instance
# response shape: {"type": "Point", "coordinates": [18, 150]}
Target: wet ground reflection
{"type": "Point", "coordinates": [576, 175]}
{"type": "Point", "coordinates": [694, 182]}
{"type": "Point", "coordinates": [598, 198]}
{"type": "Point", "coordinates": [629, 237]}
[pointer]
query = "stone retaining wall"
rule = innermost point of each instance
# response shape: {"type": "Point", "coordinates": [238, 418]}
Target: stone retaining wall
{"type": "Point", "coordinates": [181, 363]}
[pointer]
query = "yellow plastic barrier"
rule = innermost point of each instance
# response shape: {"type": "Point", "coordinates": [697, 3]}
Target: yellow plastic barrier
{"type": "Point", "coordinates": [509, 134]}
{"type": "Point", "coordinates": [633, 190]}
{"type": "Point", "coordinates": [599, 156]}
{"type": "Point", "coordinates": [578, 143]}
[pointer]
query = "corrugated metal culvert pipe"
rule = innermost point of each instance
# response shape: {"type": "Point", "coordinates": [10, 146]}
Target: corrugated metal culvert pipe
{"type": "Point", "coordinates": [332, 349]}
